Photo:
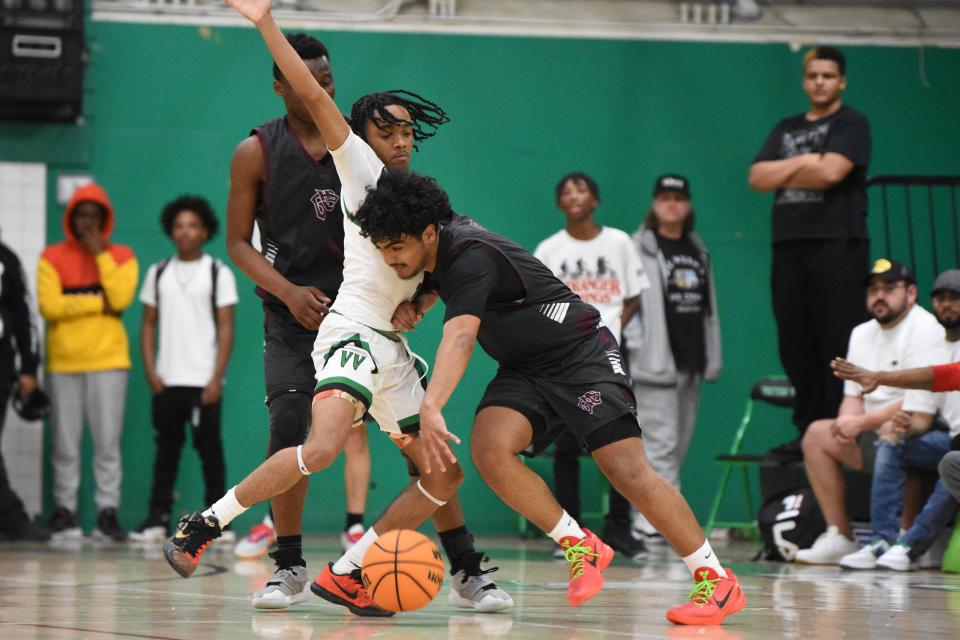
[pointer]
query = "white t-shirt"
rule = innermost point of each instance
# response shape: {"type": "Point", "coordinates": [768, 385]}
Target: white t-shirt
{"type": "Point", "coordinates": [603, 271]}
{"type": "Point", "coordinates": [914, 342]}
{"type": "Point", "coordinates": [948, 403]}
{"type": "Point", "coordinates": [187, 331]}
{"type": "Point", "coordinates": [371, 291]}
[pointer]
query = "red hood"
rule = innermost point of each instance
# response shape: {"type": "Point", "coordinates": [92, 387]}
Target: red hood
{"type": "Point", "coordinates": [91, 192]}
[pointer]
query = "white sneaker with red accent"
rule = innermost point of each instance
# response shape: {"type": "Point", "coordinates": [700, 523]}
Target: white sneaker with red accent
{"type": "Point", "coordinates": [351, 536]}
{"type": "Point", "coordinates": [257, 541]}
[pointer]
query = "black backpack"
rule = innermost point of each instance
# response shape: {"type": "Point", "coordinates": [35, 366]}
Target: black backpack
{"type": "Point", "coordinates": [789, 521]}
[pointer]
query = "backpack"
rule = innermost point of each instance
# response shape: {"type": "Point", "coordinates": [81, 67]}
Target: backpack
{"type": "Point", "coordinates": [214, 268]}
{"type": "Point", "coordinates": [789, 521]}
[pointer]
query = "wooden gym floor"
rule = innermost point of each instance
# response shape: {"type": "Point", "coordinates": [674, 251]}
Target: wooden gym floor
{"type": "Point", "coordinates": [99, 591]}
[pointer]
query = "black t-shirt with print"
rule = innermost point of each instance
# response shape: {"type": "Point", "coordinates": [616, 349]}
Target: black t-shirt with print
{"type": "Point", "coordinates": [685, 300]}
{"type": "Point", "coordinates": [836, 213]}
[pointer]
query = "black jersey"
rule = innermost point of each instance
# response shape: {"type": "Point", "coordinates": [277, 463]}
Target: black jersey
{"type": "Point", "coordinates": [529, 320]}
{"type": "Point", "coordinates": [301, 227]}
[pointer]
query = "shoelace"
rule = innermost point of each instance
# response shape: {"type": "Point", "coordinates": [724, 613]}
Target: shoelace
{"type": "Point", "coordinates": [198, 536]}
{"type": "Point", "coordinates": [476, 571]}
{"type": "Point", "coordinates": [363, 598]}
{"type": "Point", "coordinates": [574, 555]}
{"type": "Point", "coordinates": [702, 592]}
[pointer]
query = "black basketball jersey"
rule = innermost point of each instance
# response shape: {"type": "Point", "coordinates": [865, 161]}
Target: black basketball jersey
{"type": "Point", "coordinates": [529, 319]}
{"type": "Point", "coordinates": [301, 226]}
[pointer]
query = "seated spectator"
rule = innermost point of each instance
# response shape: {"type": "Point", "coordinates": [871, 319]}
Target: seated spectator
{"type": "Point", "coordinates": [189, 301]}
{"type": "Point", "coordinates": [674, 344]}
{"type": "Point", "coordinates": [18, 341]}
{"type": "Point", "coordinates": [600, 265]}
{"type": "Point", "coordinates": [917, 444]}
{"type": "Point", "coordinates": [83, 284]}
{"type": "Point", "coordinates": [901, 334]}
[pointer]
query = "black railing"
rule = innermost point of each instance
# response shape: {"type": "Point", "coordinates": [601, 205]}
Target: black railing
{"type": "Point", "coordinates": [941, 201]}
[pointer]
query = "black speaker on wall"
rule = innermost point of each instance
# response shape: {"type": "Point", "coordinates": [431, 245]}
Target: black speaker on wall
{"type": "Point", "coordinates": [42, 59]}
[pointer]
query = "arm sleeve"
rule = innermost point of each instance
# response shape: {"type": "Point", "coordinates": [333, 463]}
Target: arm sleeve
{"type": "Point", "coordinates": [358, 167]}
{"type": "Point", "coordinates": [118, 279]}
{"type": "Point", "coordinates": [54, 304]}
{"type": "Point", "coordinates": [771, 146]}
{"type": "Point", "coordinates": [24, 329]}
{"type": "Point", "coordinates": [946, 377]}
{"type": "Point", "coordinates": [850, 137]}
{"type": "Point", "coordinates": [226, 287]}
{"type": "Point", "coordinates": [471, 279]}
{"type": "Point", "coordinates": [148, 290]}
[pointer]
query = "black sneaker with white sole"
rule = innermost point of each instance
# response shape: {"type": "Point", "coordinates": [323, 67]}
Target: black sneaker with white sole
{"type": "Point", "coordinates": [108, 528]}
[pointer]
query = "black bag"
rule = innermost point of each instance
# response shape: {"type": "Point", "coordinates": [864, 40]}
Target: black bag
{"type": "Point", "coordinates": [789, 521]}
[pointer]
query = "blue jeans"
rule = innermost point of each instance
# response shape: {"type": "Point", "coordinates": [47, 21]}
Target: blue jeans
{"type": "Point", "coordinates": [922, 453]}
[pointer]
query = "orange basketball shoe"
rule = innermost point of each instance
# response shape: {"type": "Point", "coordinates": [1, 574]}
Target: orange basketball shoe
{"type": "Point", "coordinates": [347, 591]}
{"type": "Point", "coordinates": [587, 557]}
{"type": "Point", "coordinates": [194, 534]}
{"type": "Point", "coordinates": [712, 599]}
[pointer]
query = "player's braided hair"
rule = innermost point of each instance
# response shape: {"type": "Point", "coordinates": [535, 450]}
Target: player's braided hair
{"type": "Point", "coordinates": [402, 204]}
{"type": "Point", "coordinates": [427, 116]}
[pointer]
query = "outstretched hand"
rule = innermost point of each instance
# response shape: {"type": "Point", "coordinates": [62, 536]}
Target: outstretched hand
{"type": "Point", "coordinates": [434, 436]}
{"type": "Point", "coordinates": [252, 10]}
{"type": "Point", "coordinates": [845, 370]}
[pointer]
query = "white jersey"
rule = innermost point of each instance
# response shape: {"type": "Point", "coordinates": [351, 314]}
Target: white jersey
{"type": "Point", "coordinates": [371, 291]}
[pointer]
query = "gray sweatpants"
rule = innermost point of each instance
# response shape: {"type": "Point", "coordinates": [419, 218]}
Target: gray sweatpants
{"type": "Point", "coordinates": [98, 397]}
{"type": "Point", "coordinates": [667, 416]}
{"type": "Point", "coordinates": [950, 473]}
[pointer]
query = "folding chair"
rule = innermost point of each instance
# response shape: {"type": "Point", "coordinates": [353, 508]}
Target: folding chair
{"type": "Point", "coordinates": [776, 391]}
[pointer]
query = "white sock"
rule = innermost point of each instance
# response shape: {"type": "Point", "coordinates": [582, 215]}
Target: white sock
{"type": "Point", "coordinates": [704, 557]}
{"type": "Point", "coordinates": [566, 527]}
{"type": "Point", "coordinates": [353, 559]}
{"type": "Point", "coordinates": [226, 508]}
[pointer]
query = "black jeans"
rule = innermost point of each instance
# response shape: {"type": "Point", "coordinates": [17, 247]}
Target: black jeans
{"type": "Point", "coordinates": [818, 297]}
{"type": "Point", "coordinates": [172, 409]}
{"type": "Point", "coordinates": [11, 507]}
{"type": "Point", "coordinates": [566, 479]}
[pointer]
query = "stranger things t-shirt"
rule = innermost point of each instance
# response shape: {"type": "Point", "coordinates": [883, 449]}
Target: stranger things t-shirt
{"type": "Point", "coordinates": [684, 277]}
{"type": "Point", "coordinates": [835, 213]}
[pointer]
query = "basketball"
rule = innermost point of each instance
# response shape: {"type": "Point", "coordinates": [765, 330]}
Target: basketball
{"type": "Point", "coordinates": [403, 570]}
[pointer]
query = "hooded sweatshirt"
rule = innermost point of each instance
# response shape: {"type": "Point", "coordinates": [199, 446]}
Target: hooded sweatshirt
{"type": "Point", "coordinates": [72, 285]}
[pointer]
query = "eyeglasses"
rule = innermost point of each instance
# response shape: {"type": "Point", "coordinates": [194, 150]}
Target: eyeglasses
{"type": "Point", "coordinates": [887, 288]}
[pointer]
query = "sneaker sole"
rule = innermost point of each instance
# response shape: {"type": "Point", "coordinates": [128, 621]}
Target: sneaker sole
{"type": "Point", "coordinates": [335, 599]}
{"type": "Point", "coordinates": [178, 560]}
{"type": "Point", "coordinates": [96, 534]}
{"type": "Point", "coordinates": [492, 605]}
{"type": "Point", "coordinates": [283, 602]}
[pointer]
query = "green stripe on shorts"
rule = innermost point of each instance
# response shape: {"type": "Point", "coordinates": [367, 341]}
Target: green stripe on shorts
{"type": "Point", "coordinates": [366, 395]}
{"type": "Point", "coordinates": [406, 422]}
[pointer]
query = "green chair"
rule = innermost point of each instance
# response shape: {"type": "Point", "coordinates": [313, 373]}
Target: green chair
{"type": "Point", "coordinates": [776, 391]}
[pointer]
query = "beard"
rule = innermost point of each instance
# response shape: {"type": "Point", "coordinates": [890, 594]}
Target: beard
{"type": "Point", "coordinates": [889, 316]}
{"type": "Point", "coordinates": [950, 325]}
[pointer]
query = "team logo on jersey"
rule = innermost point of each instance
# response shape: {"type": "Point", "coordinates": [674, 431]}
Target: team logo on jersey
{"type": "Point", "coordinates": [324, 201]}
{"type": "Point", "coordinates": [589, 401]}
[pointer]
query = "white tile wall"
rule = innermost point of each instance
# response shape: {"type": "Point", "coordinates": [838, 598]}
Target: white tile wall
{"type": "Point", "coordinates": [23, 228]}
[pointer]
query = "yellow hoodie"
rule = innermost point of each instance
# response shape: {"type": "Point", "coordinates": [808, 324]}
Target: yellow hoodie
{"type": "Point", "coordinates": [71, 287]}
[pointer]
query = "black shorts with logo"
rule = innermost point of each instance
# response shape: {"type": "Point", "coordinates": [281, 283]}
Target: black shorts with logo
{"type": "Point", "coordinates": [585, 394]}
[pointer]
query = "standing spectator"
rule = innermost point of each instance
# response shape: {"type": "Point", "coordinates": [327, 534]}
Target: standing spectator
{"type": "Point", "coordinates": [599, 264]}
{"type": "Point", "coordinates": [18, 338]}
{"type": "Point", "coordinates": [190, 298]}
{"type": "Point", "coordinates": [83, 284]}
{"type": "Point", "coordinates": [674, 343]}
{"type": "Point", "coordinates": [817, 163]}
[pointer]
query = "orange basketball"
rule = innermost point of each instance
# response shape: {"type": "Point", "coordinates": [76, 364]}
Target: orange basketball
{"type": "Point", "coordinates": [403, 570]}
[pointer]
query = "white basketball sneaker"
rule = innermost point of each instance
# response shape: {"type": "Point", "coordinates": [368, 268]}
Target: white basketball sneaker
{"type": "Point", "coordinates": [829, 548]}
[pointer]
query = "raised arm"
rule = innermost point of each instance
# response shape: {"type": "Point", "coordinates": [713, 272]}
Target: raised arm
{"type": "Point", "coordinates": [322, 108]}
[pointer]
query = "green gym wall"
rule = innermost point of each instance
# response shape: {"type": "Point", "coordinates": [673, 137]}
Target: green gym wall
{"type": "Point", "coordinates": [166, 105]}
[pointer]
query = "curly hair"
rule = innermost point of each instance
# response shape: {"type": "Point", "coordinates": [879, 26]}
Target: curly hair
{"type": "Point", "coordinates": [578, 178]}
{"type": "Point", "coordinates": [199, 205]}
{"type": "Point", "coordinates": [307, 47]}
{"type": "Point", "coordinates": [426, 116]}
{"type": "Point", "coordinates": [402, 204]}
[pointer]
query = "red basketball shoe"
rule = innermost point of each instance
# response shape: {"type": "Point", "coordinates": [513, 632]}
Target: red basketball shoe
{"type": "Point", "coordinates": [587, 557]}
{"type": "Point", "coordinates": [347, 591]}
{"type": "Point", "coordinates": [712, 599]}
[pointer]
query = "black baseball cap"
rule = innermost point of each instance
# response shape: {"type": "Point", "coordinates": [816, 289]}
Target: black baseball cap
{"type": "Point", "coordinates": [671, 182]}
{"type": "Point", "coordinates": [890, 270]}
